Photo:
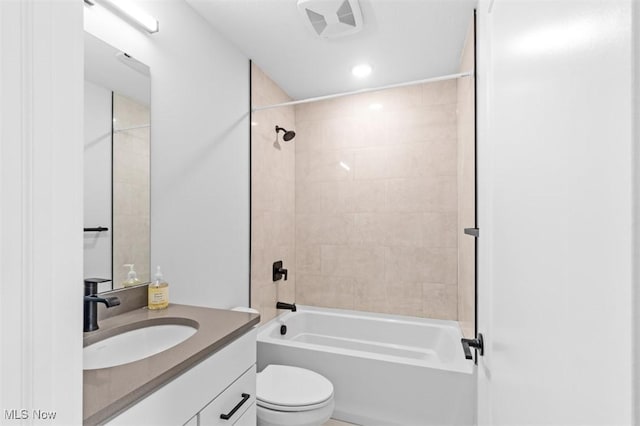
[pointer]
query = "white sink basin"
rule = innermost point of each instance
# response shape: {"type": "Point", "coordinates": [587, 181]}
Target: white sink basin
{"type": "Point", "coordinates": [134, 345]}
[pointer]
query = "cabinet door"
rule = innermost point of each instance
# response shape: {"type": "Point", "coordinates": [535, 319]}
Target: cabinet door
{"type": "Point", "coordinates": [233, 402]}
{"type": "Point", "coordinates": [249, 418]}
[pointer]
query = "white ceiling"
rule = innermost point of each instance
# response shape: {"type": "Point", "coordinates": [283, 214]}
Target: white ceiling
{"type": "Point", "coordinates": [403, 40]}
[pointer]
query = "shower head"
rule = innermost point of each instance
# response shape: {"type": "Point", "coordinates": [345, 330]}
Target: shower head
{"type": "Point", "coordinates": [288, 134]}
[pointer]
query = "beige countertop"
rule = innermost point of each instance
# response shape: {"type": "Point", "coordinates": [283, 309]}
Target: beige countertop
{"type": "Point", "coordinates": [109, 391]}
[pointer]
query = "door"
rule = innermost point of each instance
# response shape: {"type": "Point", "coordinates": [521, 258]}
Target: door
{"type": "Point", "coordinates": [554, 176]}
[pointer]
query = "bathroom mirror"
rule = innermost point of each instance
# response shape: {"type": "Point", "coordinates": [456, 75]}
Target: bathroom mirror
{"type": "Point", "coordinates": [117, 146]}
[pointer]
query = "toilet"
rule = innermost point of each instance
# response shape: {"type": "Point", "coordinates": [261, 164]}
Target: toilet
{"type": "Point", "coordinates": [293, 396]}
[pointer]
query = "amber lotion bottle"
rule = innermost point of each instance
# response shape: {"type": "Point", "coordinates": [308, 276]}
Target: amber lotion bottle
{"type": "Point", "coordinates": [158, 292]}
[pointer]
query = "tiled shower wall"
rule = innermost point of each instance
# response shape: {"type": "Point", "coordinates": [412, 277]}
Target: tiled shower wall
{"type": "Point", "coordinates": [376, 202]}
{"type": "Point", "coordinates": [272, 197]}
{"type": "Point", "coordinates": [131, 196]}
{"type": "Point", "coordinates": [466, 191]}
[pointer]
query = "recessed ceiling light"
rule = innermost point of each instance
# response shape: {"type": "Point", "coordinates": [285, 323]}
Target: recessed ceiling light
{"type": "Point", "coordinates": [375, 107]}
{"type": "Point", "coordinates": [361, 70]}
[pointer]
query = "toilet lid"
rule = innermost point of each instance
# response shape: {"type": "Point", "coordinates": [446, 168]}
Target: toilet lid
{"type": "Point", "coordinates": [286, 386]}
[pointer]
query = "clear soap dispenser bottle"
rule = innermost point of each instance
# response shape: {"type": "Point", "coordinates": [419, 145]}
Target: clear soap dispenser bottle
{"type": "Point", "coordinates": [158, 292]}
{"type": "Point", "coordinates": [132, 277]}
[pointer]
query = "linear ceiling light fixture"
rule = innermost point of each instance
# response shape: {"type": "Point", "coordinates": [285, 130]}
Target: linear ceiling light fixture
{"type": "Point", "coordinates": [132, 13]}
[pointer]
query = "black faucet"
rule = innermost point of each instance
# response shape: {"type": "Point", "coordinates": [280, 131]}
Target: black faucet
{"type": "Point", "coordinates": [290, 306]}
{"type": "Point", "coordinates": [91, 303]}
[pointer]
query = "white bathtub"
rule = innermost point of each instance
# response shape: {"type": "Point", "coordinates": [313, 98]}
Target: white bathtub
{"type": "Point", "coordinates": [386, 370]}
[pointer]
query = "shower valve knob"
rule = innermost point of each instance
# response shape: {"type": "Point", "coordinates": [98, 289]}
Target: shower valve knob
{"type": "Point", "coordinates": [278, 272]}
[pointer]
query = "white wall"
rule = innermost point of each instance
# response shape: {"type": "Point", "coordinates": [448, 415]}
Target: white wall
{"type": "Point", "coordinates": [41, 81]}
{"type": "Point", "coordinates": [97, 182]}
{"type": "Point", "coordinates": [199, 151]}
{"type": "Point", "coordinates": [636, 210]}
{"type": "Point", "coordinates": [555, 204]}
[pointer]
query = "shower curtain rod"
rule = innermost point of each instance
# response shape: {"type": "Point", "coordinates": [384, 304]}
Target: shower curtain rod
{"type": "Point", "coordinates": [373, 89]}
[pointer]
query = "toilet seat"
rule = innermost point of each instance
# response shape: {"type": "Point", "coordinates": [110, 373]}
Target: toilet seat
{"type": "Point", "coordinates": [292, 389]}
{"type": "Point", "coordinates": [296, 409]}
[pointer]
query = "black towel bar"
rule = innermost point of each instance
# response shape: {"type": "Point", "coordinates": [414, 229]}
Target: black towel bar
{"type": "Point", "coordinates": [98, 229]}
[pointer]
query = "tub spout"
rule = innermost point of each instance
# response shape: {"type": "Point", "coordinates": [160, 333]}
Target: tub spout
{"type": "Point", "coordinates": [290, 306]}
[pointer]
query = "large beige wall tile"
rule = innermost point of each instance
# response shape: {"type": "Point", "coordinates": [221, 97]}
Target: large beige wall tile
{"type": "Point", "coordinates": [440, 230]}
{"type": "Point", "coordinates": [325, 291]}
{"type": "Point", "coordinates": [272, 197]}
{"type": "Point", "coordinates": [409, 264]}
{"type": "Point", "coordinates": [339, 133]}
{"type": "Point", "coordinates": [439, 93]}
{"type": "Point", "coordinates": [324, 165]}
{"type": "Point", "coordinates": [376, 201]}
{"type": "Point", "coordinates": [370, 295]}
{"type": "Point", "coordinates": [398, 99]}
{"type": "Point", "coordinates": [440, 301]}
{"type": "Point", "coordinates": [286, 290]}
{"type": "Point", "coordinates": [131, 189]}
{"type": "Point", "coordinates": [466, 190]}
{"type": "Point", "coordinates": [309, 135]}
{"type": "Point", "coordinates": [368, 196]}
{"type": "Point", "coordinates": [425, 194]}
{"type": "Point", "coordinates": [267, 295]}
{"type": "Point", "coordinates": [353, 261]}
{"type": "Point", "coordinates": [402, 161]}
{"type": "Point", "coordinates": [420, 230]}
{"type": "Point", "coordinates": [326, 110]}
{"type": "Point", "coordinates": [404, 298]}
{"type": "Point", "coordinates": [319, 228]}
{"type": "Point", "coordinates": [308, 261]}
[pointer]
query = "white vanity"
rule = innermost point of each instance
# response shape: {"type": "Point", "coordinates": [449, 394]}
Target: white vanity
{"type": "Point", "coordinates": [210, 389]}
{"type": "Point", "coordinates": [208, 379]}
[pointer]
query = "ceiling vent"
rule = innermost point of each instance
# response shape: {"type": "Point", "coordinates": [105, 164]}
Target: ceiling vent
{"type": "Point", "coordinates": [331, 18]}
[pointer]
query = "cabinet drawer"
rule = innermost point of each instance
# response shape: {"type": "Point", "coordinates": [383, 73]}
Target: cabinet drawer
{"type": "Point", "coordinates": [231, 398]}
{"type": "Point", "coordinates": [249, 418]}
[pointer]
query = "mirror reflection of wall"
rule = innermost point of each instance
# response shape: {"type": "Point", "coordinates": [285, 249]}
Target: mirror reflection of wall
{"type": "Point", "coordinates": [117, 165]}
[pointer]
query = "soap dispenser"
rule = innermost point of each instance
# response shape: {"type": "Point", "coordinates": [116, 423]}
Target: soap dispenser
{"type": "Point", "coordinates": [132, 277]}
{"type": "Point", "coordinates": [158, 297]}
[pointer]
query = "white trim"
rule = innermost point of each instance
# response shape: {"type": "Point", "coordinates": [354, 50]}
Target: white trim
{"type": "Point", "coordinates": [41, 84]}
{"type": "Point", "coordinates": [26, 183]}
{"type": "Point", "coordinates": [635, 250]}
{"type": "Point", "coordinates": [373, 89]}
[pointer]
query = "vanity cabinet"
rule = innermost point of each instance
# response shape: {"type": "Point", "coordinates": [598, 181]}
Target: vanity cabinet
{"type": "Point", "coordinates": [233, 402]}
{"type": "Point", "coordinates": [200, 395]}
{"type": "Point", "coordinates": [248, 418]}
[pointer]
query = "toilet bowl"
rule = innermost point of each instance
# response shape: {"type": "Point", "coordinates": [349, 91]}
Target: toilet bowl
{"type": "Point", "coordinates": [293, 396]}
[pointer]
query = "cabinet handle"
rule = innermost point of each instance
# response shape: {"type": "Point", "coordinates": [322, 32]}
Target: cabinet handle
{"type": "Point", "coordinates": [245, 398]}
